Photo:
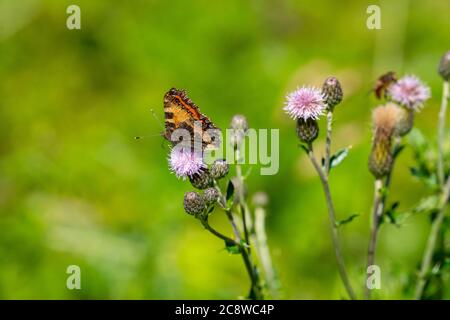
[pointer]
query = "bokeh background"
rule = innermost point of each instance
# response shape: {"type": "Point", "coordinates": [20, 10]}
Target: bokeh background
{"type": "Point", "coordinates": [76, 188]}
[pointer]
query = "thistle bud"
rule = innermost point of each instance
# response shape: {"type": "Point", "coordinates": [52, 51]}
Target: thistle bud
{"type": "Point", "coordinates": [239, 126]}
{"type": "Point", "coordinates": [260, 199]}
{"type": "Point", "coordinates": [307, 130]}
{"type": "Point", "coordinates": [239, 122]}
{"type": "Point", "coordinates": [194, 203]}
{"type": "Point", "coordinates": [201, 180]}
{"type": "Point", "coordinates": [444, 66]}
{"type": "Point", "coordinates": [219, 169]}
{"type": "Point", "coordinates": [210, 196]}
{"type": "Point", "coordinates": [332, 92]}
{"type": "Point", "coordinates": [385, 119]}
{"type": "Point", "coordinates": [405, 121]}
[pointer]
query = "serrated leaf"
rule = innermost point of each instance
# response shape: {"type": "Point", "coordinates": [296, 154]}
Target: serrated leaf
{"type": "Point", "coordinates": [338, 157]}
{"type": "Point", "coordinates": [230, 190]}
{"type": "Point", "coordinates": [346, 220]}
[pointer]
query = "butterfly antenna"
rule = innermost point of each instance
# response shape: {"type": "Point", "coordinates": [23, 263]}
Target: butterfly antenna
{"type": "Point", "coordinates": [148, 136]}
{"type": "Point", "coordinates": [157, 118]}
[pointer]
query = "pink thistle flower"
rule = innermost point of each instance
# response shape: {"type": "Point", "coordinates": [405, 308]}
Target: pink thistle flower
{"type": "Point", "coordinates": [185, 162]}
{"type": "Point", "coordinates": [409, 92]}
{"type": "Point", "coordinates": [306, 103]}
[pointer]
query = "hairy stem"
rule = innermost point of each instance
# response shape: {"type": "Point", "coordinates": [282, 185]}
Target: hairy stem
{"type": "Point", "coordinates": [376, 218]}
{"type": "Point", "coordinates": [332, 217]}
{"type": "Point", "coordinates": [244, 249]}
{"type": "Point", "coordinates": [207, 226]}
{"type": "Point", "coordinates": [431, 243]}
{"type": "Point", "coordinates": [263, 250]}
{"type": "Point", "coordinates": [328, 142]}
{"type": "Point", "coordinates": [441, 132]}
{"type": "Point", "coordinates": [445, 189]}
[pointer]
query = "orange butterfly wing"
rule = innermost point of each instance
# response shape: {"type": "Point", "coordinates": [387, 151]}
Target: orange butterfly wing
{"type": "Point", "coordinates": [181, 112]}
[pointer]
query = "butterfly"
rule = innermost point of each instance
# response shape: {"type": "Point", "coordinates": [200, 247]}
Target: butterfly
{"type": "Point", "coordinates": [182, 113]}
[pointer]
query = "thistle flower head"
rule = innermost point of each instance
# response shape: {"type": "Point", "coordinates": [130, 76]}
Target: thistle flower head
{"type": "Point", "coordinates": [185, 162]}
{"type": "Point", "coordinates": [444, 66]}
{"type": "Point", "coordinates": [305, 103]}
{"type": "Point", "coordinates": [410, 92]}
{"type": "Point", "coordinates": [385, 118]}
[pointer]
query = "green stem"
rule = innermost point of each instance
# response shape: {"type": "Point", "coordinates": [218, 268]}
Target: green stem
{"type": "Point", "coordinates": [431, 243]}
{"type": "Point", "coordinates": [332, 217]}
{"type": "Point", "coordinates": [255, 292]}
{"type": "Point", "coordinates": [441, 132]}
{"type": "Point", "coordinates": [376, 218]}
{"type": "Point", "coordinates": [263, 250]}
{"type": "Point", "coordinates": [207, 226]}
{"type": "Point", "coordinates": [328, 142]}
{"type": "Point", "coordinates": [445, 188]}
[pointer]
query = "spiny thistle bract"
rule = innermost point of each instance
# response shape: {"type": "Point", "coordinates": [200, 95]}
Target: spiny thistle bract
{"type": "Point", "coordinates": [385, 119]}
{"type": "Point", "coordinates": [201, 180]}
{"type": "Point", "coordinates": [210, 195]}
{"type": "Point", "coordinates": [332, 92]}
{"type": "Point", "coordinates": [405, 121]}
{"type": "Point", "coordinates": [194, 203]}
{"type": "Point", "coordinates": [444, 66]}
{"type": "Point", "coordinates": [307, 130]}
{"type": "Point", "coordinates": [219, 169]}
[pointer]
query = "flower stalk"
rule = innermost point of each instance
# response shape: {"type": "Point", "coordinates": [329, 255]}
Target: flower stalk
{"type": "Point", "coordinates": [376, 219]}
{"type": "Point", "coordinates": [328, 141]}
{"type": "Point", "coordinates": [334, 228]}
{"type": "Point", "coordinates": [431, 242]}
{"type": "Point", "coordinates": [441, 132]}
{"type": "Point", "coordinates": [244, 249]}
{"type": "Point", "coordinates": [444, 71]}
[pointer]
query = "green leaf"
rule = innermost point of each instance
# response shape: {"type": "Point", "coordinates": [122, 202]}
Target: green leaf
{"type": "Point", "coordinates": [417, 140]}
{"type": "Point", "coordinates": [428, 204]}
{"type": "Point", "coordinates": [338, 157]}
{"type": "Point", "coordinates": [230, 190]}
{"type": "Point", "coordinates": [232, 248]}
{"type": "Point", "coordinates": [346, 220]}
{"type": "Point", "coordinates": [423, 174]}
{"type": "Point", "coordinates": [390, 214]}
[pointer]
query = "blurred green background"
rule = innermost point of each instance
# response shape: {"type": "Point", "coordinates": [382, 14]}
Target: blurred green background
{"type": "Point", "coordinates": [76, 188]}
